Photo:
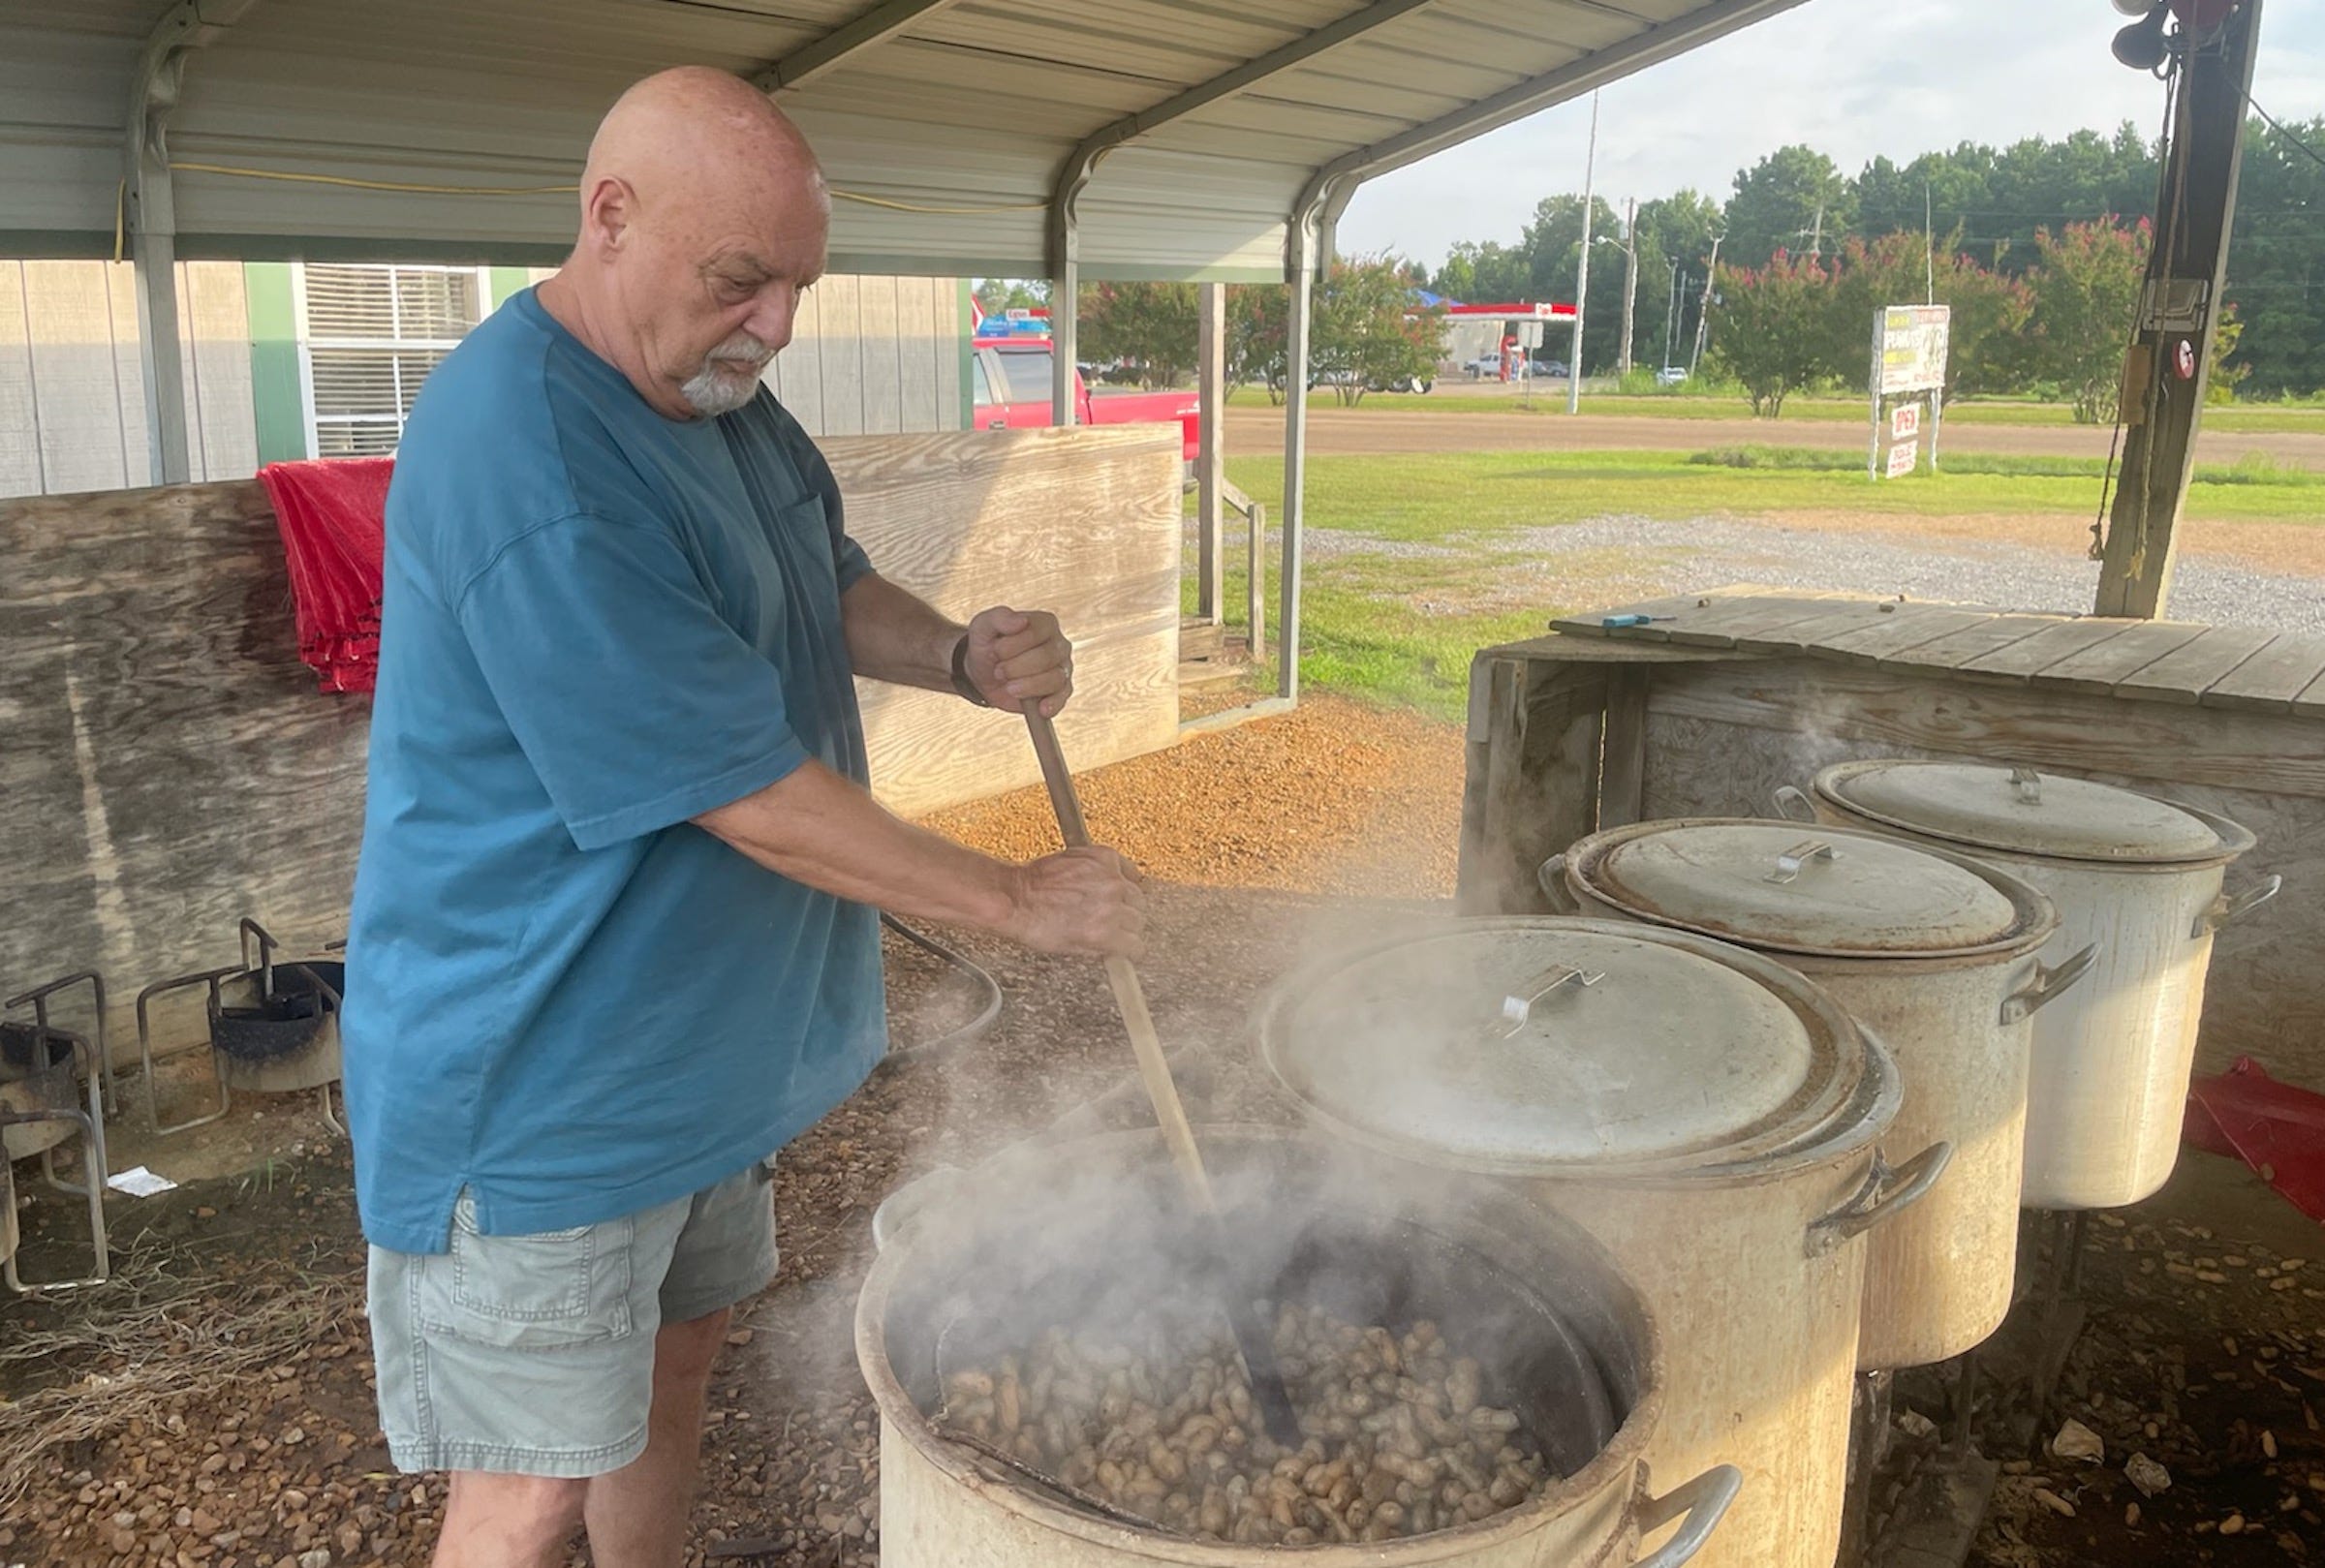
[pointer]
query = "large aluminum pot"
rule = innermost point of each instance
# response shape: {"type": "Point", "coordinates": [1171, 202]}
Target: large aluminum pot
{"type": "Point", "coordinates": [2138, 879]}
{"type": "Point", "coordinates": [1009, 1248]}
{"type": "Point", "coordinates": [1709, 1114]}
{"type": "Point", "coordinates": [1929, 950]}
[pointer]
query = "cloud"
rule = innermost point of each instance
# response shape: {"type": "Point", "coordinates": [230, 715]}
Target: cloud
{"type": "Point", "coordinates": [1852, 79]}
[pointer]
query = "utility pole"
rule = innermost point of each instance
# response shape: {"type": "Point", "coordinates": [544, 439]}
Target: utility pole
{"type": "Point", "coordinates": [1582, 279]}
{"type": "Point", "coordinates": [2166, 369]}
{"type": "Point", "coordinates": [1670, 315]}
{"type": "Point", "coordinates": [1630, 281]}
{"type": "Point", "coordinates": [1703, 308]}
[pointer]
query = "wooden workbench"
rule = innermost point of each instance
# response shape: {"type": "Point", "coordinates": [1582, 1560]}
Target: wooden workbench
{"type": "Point", "coordinates": [1723, 696]}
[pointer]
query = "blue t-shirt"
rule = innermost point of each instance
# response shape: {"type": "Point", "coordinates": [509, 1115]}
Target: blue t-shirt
{"type": "Point", "coordinates": [597, 623]}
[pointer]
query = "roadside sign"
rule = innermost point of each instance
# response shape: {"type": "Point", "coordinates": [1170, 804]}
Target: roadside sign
{"type": "Point", "coordinates": [1913, 343]}
{"type": "Point", "coordinates": [1905, 422]}
{"type": "Point", "coordinates": [1902, 458]}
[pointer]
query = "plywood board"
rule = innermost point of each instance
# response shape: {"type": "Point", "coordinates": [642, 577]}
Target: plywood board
{"type": "Point", "coordinates": [798, 370]}
{"type": "Point", "coordinates": [1841, 617]}
{"type": "Point", "coordinates": [74, 364]}
{"type": "Point", "coordinates": [2163, 742]}
{"type": "Point", "coordinates": [839, 344]}
{"type": "Point", "coordinates": [1723, 622]}
{"type": "Point", "coordinates": [169, 765]}
{"type": "Point", "coordinates": [881, 355]}
{"type": "Point", "coordinates": [2269, 680]}
{"type": "Point", "coordinates": [2184, 674]}
{"type": "Point", "coordinates": [20, 470]}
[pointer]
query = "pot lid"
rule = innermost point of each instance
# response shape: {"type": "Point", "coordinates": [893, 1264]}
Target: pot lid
{"type": "Point", "coordinates": [1526, 1045]}
{"type": "Point", "coordinates": [1801, 889]}
{"type": "Point", "coordinates": [2018, 809]}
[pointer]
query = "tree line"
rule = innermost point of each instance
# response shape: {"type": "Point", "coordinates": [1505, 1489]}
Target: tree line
{"type": "Point", "coordinates": [2037, 247]}
{"type": "Point", "coordinates": [2004, 223]}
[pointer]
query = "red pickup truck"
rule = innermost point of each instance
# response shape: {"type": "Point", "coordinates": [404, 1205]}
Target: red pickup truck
{"type": "Point", "coordinates": [1011, 378]}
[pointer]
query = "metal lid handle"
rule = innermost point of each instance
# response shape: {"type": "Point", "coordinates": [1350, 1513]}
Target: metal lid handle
{"type": "Point", "coordinates": [1703, 1501]}
{"type": "Point", "coordinates": [1887, 1191]}
{"type": "Point", "coordinates": [1517, 1009]}
{"type": "Point", "coordinates": [1794, 804]}
{"type": "Point", "coordinates": [2047, 983]}
{"type": "Point", "coordinates": [2226, 909]}
{"type": "Point", "coordinates": [1794, 860]}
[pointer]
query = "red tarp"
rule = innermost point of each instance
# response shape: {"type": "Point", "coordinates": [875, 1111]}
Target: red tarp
{"type": "Point", "coordinates": [333, 517]}
{"type": "Point", "coordinates": [2273, 1127]}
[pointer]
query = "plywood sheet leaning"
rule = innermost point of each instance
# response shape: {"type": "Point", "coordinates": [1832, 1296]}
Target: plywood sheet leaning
{"type": "Point", "coordinates": [169, 765]}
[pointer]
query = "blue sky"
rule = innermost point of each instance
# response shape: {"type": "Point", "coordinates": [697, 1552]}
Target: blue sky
{"type": "Point", "coordinates": [1852, 78]}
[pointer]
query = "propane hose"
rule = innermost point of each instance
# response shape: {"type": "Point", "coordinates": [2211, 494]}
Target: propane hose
{"type": "Point", "coordinates": [977, 977]}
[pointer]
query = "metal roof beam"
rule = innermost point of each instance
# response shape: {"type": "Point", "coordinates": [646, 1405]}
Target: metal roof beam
{"type": "Point", "coordinates": [1594, 70]}
{"type": "Point", "coordinates": [867, 30]}
{"type": "Point", "coordinates": [1074, 177]}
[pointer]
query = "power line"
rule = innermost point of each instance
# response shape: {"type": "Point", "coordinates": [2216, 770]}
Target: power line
{"type": "Point", "coordinates": [2270, 120]}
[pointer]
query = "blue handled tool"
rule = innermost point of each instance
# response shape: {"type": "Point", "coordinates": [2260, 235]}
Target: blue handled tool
{"type": "Point", "coordinates": [1615, 623]}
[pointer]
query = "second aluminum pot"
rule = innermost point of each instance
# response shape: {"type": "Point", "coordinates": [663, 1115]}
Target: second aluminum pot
{"type": "Point", "coordinates": [1710, 1116]}
{"type": "Point", "coordinates": [1932, 952]}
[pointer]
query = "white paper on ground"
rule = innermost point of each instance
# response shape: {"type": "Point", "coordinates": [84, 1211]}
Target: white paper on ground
{"type": "Point", "coordinates": [139, 1183]}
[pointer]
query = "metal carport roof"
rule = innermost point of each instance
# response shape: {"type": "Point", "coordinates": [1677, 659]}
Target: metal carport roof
{"type": "Point", "coordinates": [1212, 140]}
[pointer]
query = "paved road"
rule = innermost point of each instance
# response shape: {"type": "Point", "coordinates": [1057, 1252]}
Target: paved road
{"type": "Point", "coordinates": [1338, 432]}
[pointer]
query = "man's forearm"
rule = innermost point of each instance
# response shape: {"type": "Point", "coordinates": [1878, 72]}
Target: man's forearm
{"type": "Point", "coordinates": [818, 828]}
{"type": "Point", "coordinates": [894, 636]}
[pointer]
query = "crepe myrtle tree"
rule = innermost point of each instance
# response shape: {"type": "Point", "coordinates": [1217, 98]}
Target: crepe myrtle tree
{"type": "Point", "coordinates": [1775, 330]}
{"type": "Point", "coordinates": [1367, 329]}
{"type": "Point", "coordinates": [1150, 327]}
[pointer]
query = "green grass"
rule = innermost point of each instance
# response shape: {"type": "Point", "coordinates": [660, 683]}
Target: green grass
{"type": "Point", "coordinates": [1550, 402]}
{"type": "Point", "coordinates": [1401, 627]}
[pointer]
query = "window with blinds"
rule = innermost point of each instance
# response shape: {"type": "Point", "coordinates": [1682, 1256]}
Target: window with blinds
{"type": "Point", "coordinates": [368, 337]}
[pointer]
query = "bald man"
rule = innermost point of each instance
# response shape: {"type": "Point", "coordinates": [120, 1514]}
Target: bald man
{"type": "Point", "coordinates": [614, 939]}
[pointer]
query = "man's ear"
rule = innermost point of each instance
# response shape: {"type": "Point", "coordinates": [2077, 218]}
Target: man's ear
{"type": "Point", "coordinates": [608, 207]}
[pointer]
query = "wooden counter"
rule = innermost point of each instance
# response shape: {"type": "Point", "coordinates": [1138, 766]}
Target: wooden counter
{"type": "Point", "coordinates": [1725, 695]}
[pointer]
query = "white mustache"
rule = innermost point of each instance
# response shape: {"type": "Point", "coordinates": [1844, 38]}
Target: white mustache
{"type": "Point", "coordinates": [743, 348]}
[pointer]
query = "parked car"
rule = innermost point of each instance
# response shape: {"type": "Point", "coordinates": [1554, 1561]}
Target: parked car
{"type": "Point", "coordinates": [1483, 366]}
{"type": "Point", "coordinates": [1345, 377]}
{"type": "Point", "coordinates": [1553, 369]}
{"type": "Point", "coordinates": [1011, 385]}
{"type": "Point", "coordinates": [1671, 375]}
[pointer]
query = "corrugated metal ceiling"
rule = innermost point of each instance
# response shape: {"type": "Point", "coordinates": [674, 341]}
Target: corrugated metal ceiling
{"type": "Point", "coordinates": [947, 141]}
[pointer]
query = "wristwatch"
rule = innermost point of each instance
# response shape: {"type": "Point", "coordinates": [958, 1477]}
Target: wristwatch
{"type": "Point", "coordinates": [961, 682]}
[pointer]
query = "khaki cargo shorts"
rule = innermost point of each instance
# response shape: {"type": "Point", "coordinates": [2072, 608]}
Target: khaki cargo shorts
{"type": "Point", "coordinates": [533, 1355]}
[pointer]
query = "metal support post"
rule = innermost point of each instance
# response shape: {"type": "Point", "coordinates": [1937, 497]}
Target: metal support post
{"type": "Point", "coordinates": [1295, 447]}
{"type": "Point", "coordinates": [1210, 461]}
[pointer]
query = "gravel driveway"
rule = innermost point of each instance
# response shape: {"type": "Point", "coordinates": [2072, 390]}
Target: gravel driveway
{"type": "Point", "coordinates": [1568, 564]}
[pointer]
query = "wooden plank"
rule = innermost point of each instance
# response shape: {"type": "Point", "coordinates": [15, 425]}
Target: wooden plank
{"type": "Point", "coordinates": [2269, 680]}
{"type": "Point", "coordinates": [1908, 625]}
{"type": "Point", "coordinates": [1531, 784]}
{"type": "Point", "coordinates": [1841, 617]}
{"type": "Point", "coordinates": [1657, 609]}
{"type": "Point", "coordinates": [2060, 640]}
{"type": "Point", "coordinates": [1623, 764]}
{"type": "Point", "coordinates": [21, 468]}
{"type": "Point", "coordinates": [1723, 622]}
{"type": "Point", "coordinates": [1559, 648]}
{"type": "Point", "coordinates": [1957, 648]}
{"type": "Point", "coordinates": [216, 315]}
{"type": "Point", "coordinates": [82, 445]}
{"type": "Point", "coordinates": [1843, 708]}
{"type": "Point", "coordinates": [2311, 703]}
{"type": "Point", "coordinates": [923, 348]}
{"type": "Point", "coordinates": [2184, 673]}
{"type": "Point", "coordinates": [2096, 669]}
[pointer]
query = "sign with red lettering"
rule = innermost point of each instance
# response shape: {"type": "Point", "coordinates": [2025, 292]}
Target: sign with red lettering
{"type": "Point", "coordinates": [1905, 422]}
{"type": "Point", "coordinates": [1902, 458]}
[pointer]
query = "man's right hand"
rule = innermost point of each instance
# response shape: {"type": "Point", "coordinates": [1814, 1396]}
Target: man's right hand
{"type": "Point", "coordinates": [1080, 901]}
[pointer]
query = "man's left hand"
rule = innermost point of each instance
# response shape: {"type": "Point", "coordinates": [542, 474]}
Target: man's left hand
{"type": "Point", "coordinates": [1018, 658]}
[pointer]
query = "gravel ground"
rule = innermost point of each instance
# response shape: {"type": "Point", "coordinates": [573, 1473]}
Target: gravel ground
{"type": "Point", "coordinates": [1674, 557]}
{"type": "Point", "coordinates": [213, 1408]}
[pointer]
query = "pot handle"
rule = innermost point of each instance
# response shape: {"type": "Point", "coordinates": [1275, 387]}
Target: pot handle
{"type": "Point", "coordinates": [1888, 1190]}
{"type": "Point", "coordinates": [2226, 909]}
{"type": "Point", "coordinates": [2048, 982]}
{"type": "Point", "coordinates": [1704, 1503]}
{"type": "Point", "coordinates": [1552, 876]}
{"type": "Point", "coordinates": [1793, 804]}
